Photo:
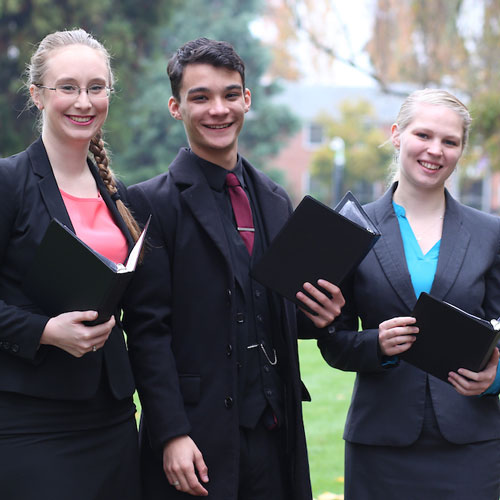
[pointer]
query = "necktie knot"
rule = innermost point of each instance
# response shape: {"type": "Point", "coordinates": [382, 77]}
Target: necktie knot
{"type": "Point", "coordinates": [232, 180]}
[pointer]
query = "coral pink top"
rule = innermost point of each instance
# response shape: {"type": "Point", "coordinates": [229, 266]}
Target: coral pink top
{"type": "Point", "coordinates": [94, 225]}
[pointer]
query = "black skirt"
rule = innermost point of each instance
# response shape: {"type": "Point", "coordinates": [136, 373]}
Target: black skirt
{"type": "Point", "coordinates": [431, 469]}
{"type": "Point", "coordinates": [61, 450]}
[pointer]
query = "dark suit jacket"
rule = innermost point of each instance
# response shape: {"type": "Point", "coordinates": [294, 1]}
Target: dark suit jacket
{"type": "Point", "coordinates": [29, 199]}
{"type": "Point", "coordinates": [180, 317]}
{"type": "Point", "coordinates": [387, 405]}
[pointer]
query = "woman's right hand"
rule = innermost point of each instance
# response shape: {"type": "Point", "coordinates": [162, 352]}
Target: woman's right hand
{"type": "Point", "coordinates": [68, 332]}
{"type": "Point", "coordinates": [396, 335]}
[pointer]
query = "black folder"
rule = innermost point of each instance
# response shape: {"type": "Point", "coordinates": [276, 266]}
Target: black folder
{"type": "Point", "coordinates": [67, 275]}
{"type": "Point", "coordinates": [316, 242]}
{"type": "Point", "coordinates": [449, 338]}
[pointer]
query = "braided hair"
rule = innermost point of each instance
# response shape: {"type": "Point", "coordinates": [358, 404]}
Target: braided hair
{"type": "Point", "coordinates": [98, 150]}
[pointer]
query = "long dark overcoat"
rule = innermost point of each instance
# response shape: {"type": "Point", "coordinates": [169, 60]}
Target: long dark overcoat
{"type": "Point", "coordinates": [179, 317]}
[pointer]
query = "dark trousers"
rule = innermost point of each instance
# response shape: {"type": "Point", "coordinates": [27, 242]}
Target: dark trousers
{"type": "Point", "coordinates": [262, 465]}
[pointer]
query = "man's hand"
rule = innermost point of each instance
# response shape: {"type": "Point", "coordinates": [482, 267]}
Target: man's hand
{"type": "Point", "coordinates": [326, 309]}
{"type": "Point", "coordinates": [181, 461]}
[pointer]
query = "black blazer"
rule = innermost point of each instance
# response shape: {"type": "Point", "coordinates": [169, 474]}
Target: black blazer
{"type": "Point", "coordinates": [180, 321]}
{"type": "Point", "coordinates": [387, 405]}
{"type": "Point", "coordinates": [29, 199]}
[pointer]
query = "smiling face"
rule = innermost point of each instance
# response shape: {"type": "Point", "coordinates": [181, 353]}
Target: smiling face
{"type": "Point", "coordinates": [66, 118]}
{"type": "Point", "coordinates": [430, 146]}
{"type": "Point", "coordinates": [212, 106]}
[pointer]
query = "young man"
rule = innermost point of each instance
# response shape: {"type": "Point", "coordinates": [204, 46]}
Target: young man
{"type": "Point", "coordinates": [215, 353]}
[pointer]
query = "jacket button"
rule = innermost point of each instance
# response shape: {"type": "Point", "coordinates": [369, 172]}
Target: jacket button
{"type": "Point", "coordinates": [14, 348]}
{"type": "Point", "coordinates": [331, 330]}
{"type": "Point", "coordinates": [228, 402]}
{"type": "Point", "coordinates": [229, 349]}
{"type": "Point", "coordinates": [240, 318]}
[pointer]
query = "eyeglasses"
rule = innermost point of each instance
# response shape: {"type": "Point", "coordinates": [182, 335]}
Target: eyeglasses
{"type": "Point", "coordinates": [95, 91]}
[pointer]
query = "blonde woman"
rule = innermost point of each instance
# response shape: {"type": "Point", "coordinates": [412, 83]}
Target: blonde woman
{"type": "Point", "coordinates": [410, 435]}
{"type": "Point", "coordinates": [67, 425]}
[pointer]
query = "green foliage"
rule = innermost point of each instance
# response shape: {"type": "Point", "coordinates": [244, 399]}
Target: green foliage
{"type": "Point", "coordinates": [365, 161]}
{"type": "Point", "coordinates": [125, 27]}
{"type": "Point", "coordinates": [157, 137]}
{"type": "Point", "coordinates": [485, 109]}
{"type": "Point", "coordinates": [141, 36]}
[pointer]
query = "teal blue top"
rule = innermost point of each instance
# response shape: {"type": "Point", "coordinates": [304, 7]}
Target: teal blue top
{"type": "Point", "coordinates": [422, 270]}
{"type": "Point", "coordinates": [422, 267]}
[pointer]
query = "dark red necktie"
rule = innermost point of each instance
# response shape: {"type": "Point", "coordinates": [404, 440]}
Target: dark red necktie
{"type": "Point", "coordinates": [242, 211]}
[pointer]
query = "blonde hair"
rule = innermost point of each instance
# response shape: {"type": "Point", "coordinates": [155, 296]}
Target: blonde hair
{"type": "Point", "coordinates": [36, 71]}
{"type": "Point", "coordinates": [435, 97]}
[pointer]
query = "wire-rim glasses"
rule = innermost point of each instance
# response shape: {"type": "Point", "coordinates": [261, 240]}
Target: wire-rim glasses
{"type": "Point", "coordinates": [96, 91]}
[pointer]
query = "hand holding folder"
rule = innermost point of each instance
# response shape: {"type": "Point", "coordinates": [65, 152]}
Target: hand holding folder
{"type": "Point", "coordinates": [450, 338]}
{"type": "Point", "coordinates": [67, 275]}
{"type": "Point", "coordinates": [316, 242]}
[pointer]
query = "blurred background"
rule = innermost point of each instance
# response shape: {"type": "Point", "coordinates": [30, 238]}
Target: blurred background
{"type": "Point", "coordinates": [327, 79]}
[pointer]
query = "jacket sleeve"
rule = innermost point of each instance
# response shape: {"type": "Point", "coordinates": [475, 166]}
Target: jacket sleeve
{"type": "Point", "coordinates": [492, 304]}
{"type": "Point", "coordinates": [147, 322]}
{"type": "Point", "coordinates": [20, 329]}
{"type": "Point", "coordinates": [345, 346]}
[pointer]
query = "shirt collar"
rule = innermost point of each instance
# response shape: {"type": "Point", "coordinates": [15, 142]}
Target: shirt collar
{"type": "Point", "coordinates": [216, 175]}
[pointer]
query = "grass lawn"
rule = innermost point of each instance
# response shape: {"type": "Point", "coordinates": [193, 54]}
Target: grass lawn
{"type": "Point", "coordinates": [324, 420]}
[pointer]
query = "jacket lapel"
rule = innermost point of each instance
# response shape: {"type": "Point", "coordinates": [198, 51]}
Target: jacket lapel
{"type": "Point", "coordinates": [197, 195]}
{"type": "Point", "coordinates": [274, 208]}
{"type": "Point", "coordinates": [52, 196]}
{"type": "Point", "coordinates": [47, 183]}
{"type": "Point", "coordinates": [389, 250]}
{"type": "Point", "coordinates": [454, 243]}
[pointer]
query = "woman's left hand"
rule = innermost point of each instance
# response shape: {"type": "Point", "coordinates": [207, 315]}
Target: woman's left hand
{"type": "Point", "coordinates": [326, 308]}
{"type": "Point", "coordinates": [470, 383]}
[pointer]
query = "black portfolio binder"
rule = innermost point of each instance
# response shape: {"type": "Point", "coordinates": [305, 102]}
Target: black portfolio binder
{"type": "Point", "coordinates": [67, 275]}
{"type": "Point", "coordinates": [316, 242]}
{"type": "Point", "coordinates": [449, 338]}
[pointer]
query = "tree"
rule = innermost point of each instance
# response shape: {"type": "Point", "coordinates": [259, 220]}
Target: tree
{"type": "Point", "coordinates": [125, 26]}
{"type": "Point", "coordinates": [141, 37]}
{"type": "Point", "coordinates": [444, 43]}
{"type": "Point", "coordinates": [424, 43]}
{"type": "Point", "coordinates": [418, 42]}
{"type": "Point", "coordinates": [366, 162]}
{"type": "Point", "coordinates": [157, 137]}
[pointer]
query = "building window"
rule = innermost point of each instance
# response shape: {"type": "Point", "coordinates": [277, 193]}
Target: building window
{"type": "Point", "coordinates": [314, 135]}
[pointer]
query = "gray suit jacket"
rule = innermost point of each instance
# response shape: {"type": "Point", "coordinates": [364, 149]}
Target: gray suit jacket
{"type": "Point", "coordinates": [387, 405]}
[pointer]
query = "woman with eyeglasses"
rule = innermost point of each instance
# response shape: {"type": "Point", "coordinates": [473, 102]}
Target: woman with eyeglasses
{"type": "Point", "coordinates": [67, 418]}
